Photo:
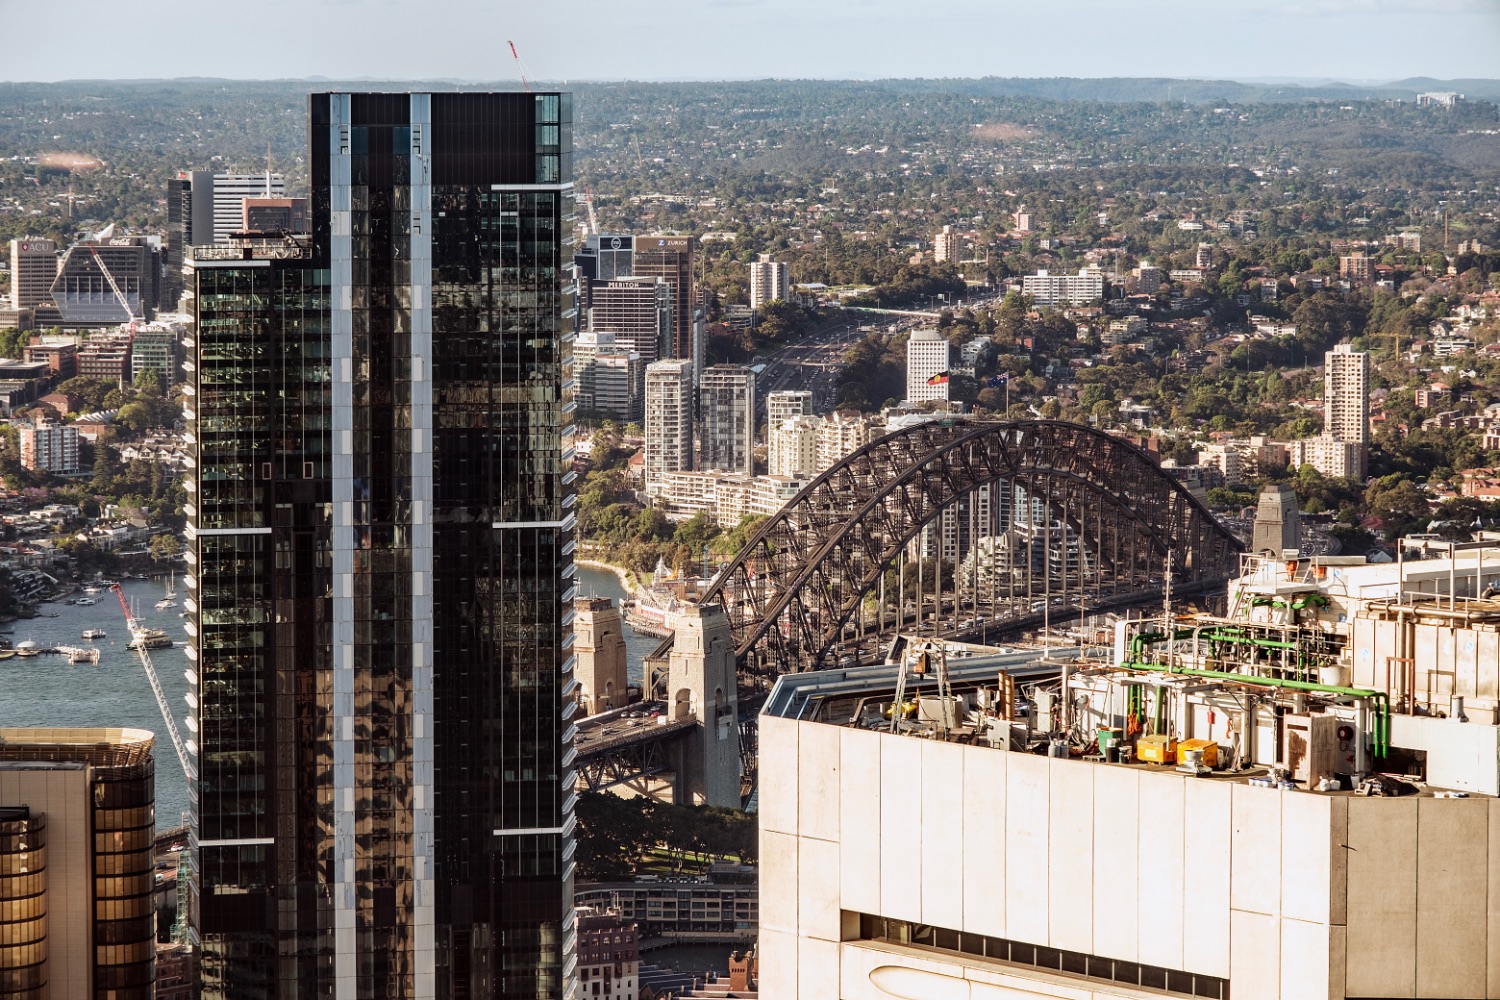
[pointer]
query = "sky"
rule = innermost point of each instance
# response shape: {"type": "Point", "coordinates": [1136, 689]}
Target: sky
{"type": "Point", "coordinates": [1359, 40]}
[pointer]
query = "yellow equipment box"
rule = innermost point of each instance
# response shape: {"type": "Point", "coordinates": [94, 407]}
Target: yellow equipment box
{"type": "Point", "coordinates": [1156, 750]}
{"type": "Point", "coordinates": [1209, 747]}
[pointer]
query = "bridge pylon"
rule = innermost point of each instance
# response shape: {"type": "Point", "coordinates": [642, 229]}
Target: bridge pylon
{"type": "Point", "coordinates": [600, 647]}
{"type": "Point", "coordinates": [701, 683]}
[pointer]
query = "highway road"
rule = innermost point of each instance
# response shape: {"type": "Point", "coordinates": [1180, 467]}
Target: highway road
{"type": "Point", "coordinates": [814, 362]}
{"type": "Point", "coordinates": [811, 363]}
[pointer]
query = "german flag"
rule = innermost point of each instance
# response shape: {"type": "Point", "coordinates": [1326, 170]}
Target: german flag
{"type": "Point", "coordinates": [941, 378]}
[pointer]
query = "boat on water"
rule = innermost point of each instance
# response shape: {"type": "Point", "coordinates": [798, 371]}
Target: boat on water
{"type": "Point", "coordinates": [27, 653]}
{"type": "Point", "coordinates": [169, 599]}
{"type": "Point", "coordinates": [79, 654]}
{"type": "Point", "coordinates": [94, 633]}
{"type": "Point", "coordinates": [6, 654]}
{"type": "Point", "coordinates": [85, 601]}
{"type": "Point", "coordinates": [151, 638]}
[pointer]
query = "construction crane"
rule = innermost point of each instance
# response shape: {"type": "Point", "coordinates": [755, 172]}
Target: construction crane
{"type": "Point", "coordinates": [182, 927]}
{"type": "Point", "coordinates": [520, 66]}
{"type": "Point", "coordinates": [588, 200]}
{"type": "Point", "coordinates": [138, 632]}
{"type": "Point", "coordinates": [124, 302]}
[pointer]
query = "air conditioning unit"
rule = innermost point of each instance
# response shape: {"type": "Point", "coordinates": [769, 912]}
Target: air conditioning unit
{"type": "Point", "coordinates": [1318, 746]}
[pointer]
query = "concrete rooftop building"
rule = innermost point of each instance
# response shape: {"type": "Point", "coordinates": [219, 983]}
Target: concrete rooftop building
{"type": "Point", "coordinates": [1337, 839]}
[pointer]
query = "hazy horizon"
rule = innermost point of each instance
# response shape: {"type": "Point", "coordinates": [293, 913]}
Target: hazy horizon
{"type": "Point", "coordinates": [728, 40]}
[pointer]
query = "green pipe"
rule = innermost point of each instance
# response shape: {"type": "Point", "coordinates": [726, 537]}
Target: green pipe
{"type": "Point", "coordinates": [1320, 600]}
{"type": "Point", "coordinates": [1246, 640]}
{"type": "Point", "coordinates": [1143, 639]}
{"type": "Point", "coordinates": [1382, 719]}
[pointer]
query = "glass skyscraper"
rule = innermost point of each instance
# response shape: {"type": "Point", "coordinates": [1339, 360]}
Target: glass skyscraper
{"type": "Point", "coordinates": [383, 535]}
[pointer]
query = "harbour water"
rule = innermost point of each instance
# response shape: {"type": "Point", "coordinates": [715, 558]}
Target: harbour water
{"type": "Point", "coordinates": [47, 691]}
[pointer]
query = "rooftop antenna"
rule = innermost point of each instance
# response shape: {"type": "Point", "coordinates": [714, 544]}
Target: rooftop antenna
{"type": "Point", "coordinates": [520, 66]}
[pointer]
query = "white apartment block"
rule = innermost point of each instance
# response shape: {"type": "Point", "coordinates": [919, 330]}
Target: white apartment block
{"type": "Point", "coordinates": [810, 445]}
{"type": "Point", "coordinates": [947, 246]}
{"type": "Point", "coordinates": [1346, 397]}
{"type": "Point", "coordinates": [1330, 456]}
{"type": "Point", "coordinates": [792, 447]}
{"type": "Point", "coordinates": [787, 403]}
{"type": "Point", "coordinates": [726, 396]}
{"type": "Point", "coordinates": [970, 352]}
{"type": "Point", "coordinates": [841, 434]}
{"type": "Point", "coordinates": [619, 385]}
{"type": "Point", "coordinates": [587, 347]}
{"type": "Point", "coordinates": [47, 445]}
{"type": "Point", "coordinates": [926, 356]}
{"type": "Point", "coordinates": [727, 498]}
{"type": "Point", "coordinates": [1448, 346]}
{"type": "Point", "coordinates": [770, 281]}
{"type": "Point", "coordinates": [1225, 458]}
{"type": "Point", "coordinates": [1147, 279]}
{"type": "Point", "coordinates": [1123, 331]}
{"type": "Point", "coordinates": [1047, 289]}
{"type": "Point", "coordinates": [668, 420]}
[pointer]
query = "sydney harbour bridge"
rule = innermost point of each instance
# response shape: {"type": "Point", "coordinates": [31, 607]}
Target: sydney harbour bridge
{"type": "Point", "coordinates": [962, 528]}
{"type": "Point", "coordinates": [1054, 518]}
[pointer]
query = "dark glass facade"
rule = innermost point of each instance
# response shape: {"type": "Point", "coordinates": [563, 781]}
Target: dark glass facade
{"type": "Point", "coordinates": [179, 236]}
{"type": "Point", "coordinates": [671, 258]}
{"type": "Point", "coordinates": [384, 554]}
{"type": "Point", "coordinates": [260, 373]}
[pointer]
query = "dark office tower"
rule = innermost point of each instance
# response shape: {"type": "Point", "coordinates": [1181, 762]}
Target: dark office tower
{"type": "Point", "coordinates": [603, 257]}
{"type": "Point", "coordinates": [383, 539]}
{"type": "Point", "coordinates": [607, 256]}
{"type": "Point", "coordinates": [671, 257]}
{"type": "Point", "coordinates": [179, 238]}
{"type": "Point", "coordinates": [638, 311]}
{"type": "Point", "coordinates": [107, 281]}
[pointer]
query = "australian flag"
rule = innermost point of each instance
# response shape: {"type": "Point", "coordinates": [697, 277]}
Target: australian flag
{"type": "Point", "coordinates": [996, 381]}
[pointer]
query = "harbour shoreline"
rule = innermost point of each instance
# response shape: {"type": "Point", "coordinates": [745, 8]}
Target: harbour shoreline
{"type": "Point", "coordinates": [628, 581]}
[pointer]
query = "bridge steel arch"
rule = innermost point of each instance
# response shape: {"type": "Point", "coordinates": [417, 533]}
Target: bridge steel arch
{"type": "Point", "coordinates": [793, 589]}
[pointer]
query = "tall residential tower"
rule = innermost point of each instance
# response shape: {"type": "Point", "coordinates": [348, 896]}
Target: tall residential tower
{"type": "Point", "coordinates": [727, 399]}
{"type": "Point", "coordinates": [1346, 399]}
{"type": "Point", "coordinates": [381, 557]}
{"type": "Point", "coordinates": [668, 420]}
{"type": "Point", "coordinates": [770, 280]}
